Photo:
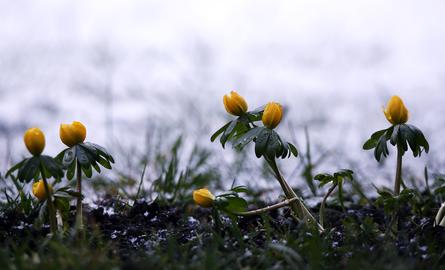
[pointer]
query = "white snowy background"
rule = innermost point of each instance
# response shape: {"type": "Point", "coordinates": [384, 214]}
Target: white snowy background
{"type": "Point", "coordinates": [122, 67]}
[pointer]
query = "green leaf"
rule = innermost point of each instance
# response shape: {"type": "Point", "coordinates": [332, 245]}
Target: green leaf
{"type": "Point", "coordinates": [60, 156]}
{"type": "Point", "coordinates": [419, 138]}
{"type": "Point", "coordinates": [274, 147]}
{"type": "Point", "coordinates": [96, 166]}
{"type": "Point", "coordinates": [293, 149]}
{"type": "Point", "coordinates": [381, 148]}
{"type": "Point", "coordinates": [247, 137]}
{"type": "Point", "coordinates": [410, 136]}
{"type": "Point", "coordinates": [385, 193]}
{"type": "Point", "coordinates": [240, 189]}
{"type": "Point", "coordinates": [90, 149]}
{"type": "Point", "coordinates": [61, 203]}
{"type": "Point", "coordinates": [395, 135]}
{"type": "Point", "coordinates": [29, 170]}
{"type": "Point", "coordinates": [324, 178]}
{"type": "Point", "coordinates": [286, 152]}
{"type": "Point", "coordinates": [69, 156]}
{"type": "Point", "coordinates": [344, 174]}
{"type": "Point", "coordinates": [71, 170]}
{"type": "Point", "coordinates": [82, 156]}
{"type": "Point", "coordinates": [219, 132]}
{"type": "Point", "coordinates": [372, 142]}
{"type": "Point", "coordinates": [104, 163]}
{"type": "Point", "coordinates": [261, 142]}
{"type": "Point", "coordinates": [338, 177]}
{"type": "Point", "coordinates": [102, 151]}
{"type": "Point", "coordinates": [403, 137]}
{"type": "Point", "coordinates": [235, 204]}
{"type": "Point", "coordinates": [439, 190]}
{"type": "Point", "coordinates": [231, 127]}
{"type": "Point", "coordinates": [15, 167]}
{"type": "Point", "coordinates": [51, 166]}
{"type": "Point", "coordinates": [87, 170]}
{"type": "Point", "coordinates": [228, 132]}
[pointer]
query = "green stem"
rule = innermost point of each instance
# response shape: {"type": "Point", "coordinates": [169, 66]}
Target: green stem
{"type": "Point", "coordinates": [298, 207]}
{"type": "Point", "coordinates": [323, 203]}
{"type": "Point", "coordinates": [394, 225]}
{"type": "Point", "coordinates": [265, 209]}
{"type": "Point", "coordinates": [79, 215]}
{"type": "Point", "coordinates": [216, 219]}
{"type": "Point", "coordinates": [49, 200]}
{"type": "Point", "coordinates": [398, 179]}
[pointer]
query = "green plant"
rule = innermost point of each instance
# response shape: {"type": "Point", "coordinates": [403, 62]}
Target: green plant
{"type": "Point", "coordinates": [231, 203]}
{"type": "Point", "coordinates": [16, 197]}
{"type": "Point", "coordinates": [81, 157]}
{"type": "Point", "coordinates": [336, 180]}
{"type": "Point", "coordinates": [38, 166]}
{"type": "Point", "coordinates": [268, 144]}
{"type": "Point", "coordinates": [175, 184]}
{"type": "Point", "coordinates": [400, 135]}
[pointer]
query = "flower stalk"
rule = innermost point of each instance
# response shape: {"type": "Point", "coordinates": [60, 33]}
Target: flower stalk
{"type": "Point", "coordinates": [398, 179]}
{"type": "Point", "coordinates": [440, 220]}
{"type": "Point", "coordinates": [301, 213]}
{"type": "Point", "coordinates": [260, 211]}
{"type": "Point", "coordinates": [323, 203]}
{"type": "Point", "coordinates": [79, 214]}
{"type": "Point", "coordinates": [49, 200]}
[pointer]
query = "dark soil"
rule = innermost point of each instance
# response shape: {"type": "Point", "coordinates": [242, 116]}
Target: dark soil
{"type": "Point", "coordinates": [149, 226]}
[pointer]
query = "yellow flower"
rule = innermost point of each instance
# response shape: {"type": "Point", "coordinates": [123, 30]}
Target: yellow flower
{"type": "Point", "coordinates": [235, 104]}
{"type": "Point", "coordinates": [34, 141]}
{"type": "Point", "coordinates": [203, 197]}
{"type": "Point", "coordinates": [395, 111]}
{"type": "Point", "coordinates": [38, 189]}
{"type": "Point", "coordinates": [72, 134]}
{"type": "Point", "coordinates": [273, 112]}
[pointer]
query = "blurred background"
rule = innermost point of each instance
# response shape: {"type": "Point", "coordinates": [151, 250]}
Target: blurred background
{"type": "Point", "coordinates": [133, 70]}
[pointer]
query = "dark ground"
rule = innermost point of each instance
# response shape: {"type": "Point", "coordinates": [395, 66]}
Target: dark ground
{"type": "Point", "coordinates": [184, 236]}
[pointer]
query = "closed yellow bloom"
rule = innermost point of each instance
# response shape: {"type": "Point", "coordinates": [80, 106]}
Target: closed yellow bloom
{"type": "Point", "coordinates": [203, 197]}
{"type": "Point", "coordinates": [395, 111]}
{"type": "Point", "coordinates": [38, 189]}
{"type": "Point", "coordinates": [34, 141]}
{"type": "Point", "coordinates": [273, 112]}
{"type": "Point", "coordinates": [72, 134]}
{"type": "Point", "coordinates": [235, 104]}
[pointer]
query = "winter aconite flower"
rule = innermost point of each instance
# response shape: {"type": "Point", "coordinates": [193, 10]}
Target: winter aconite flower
{"type": "Point", "coordinates": [273, 112]}
{"type": "Point", "coordinates": [72, 134]}
{"type": "Point", "coordinates": [235, 104]}
{"type": "Point", "coordinates": [34, 141]}
{"type": "Point", "coordinates": [203, 197]}
{"type": "Point", "coordinates": [38, 189]}
{"type": "Point", "coordinates": [395, 111]}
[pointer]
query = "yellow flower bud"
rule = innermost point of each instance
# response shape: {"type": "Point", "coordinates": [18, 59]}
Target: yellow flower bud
{"type": "Point", "coordinates": [34, 141]}
{"type": "Point", "coordinates": [395, 111]}
{"type": "Point", "coordinates": [72, 134]}
{"type": "Point", "coordinates": [38, 189]}
{"type": "Point", "coordinates": [235, 104]}
{"type": "Point", "coordinates": [273, 112]}
{"type": "Point", "coordinates": [203, 197]}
